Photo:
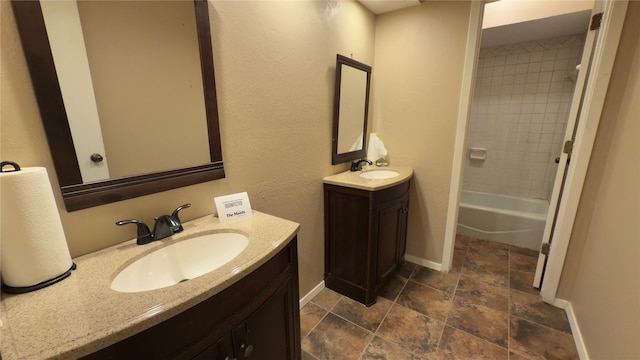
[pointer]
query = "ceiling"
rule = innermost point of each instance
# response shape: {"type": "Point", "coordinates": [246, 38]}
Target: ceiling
{"type": "Point", "coordinates": [382, 6]}
{"type": "Point", "coordinates": [543, 28]}
{"type": "Point", "coordinates": [554, 26]}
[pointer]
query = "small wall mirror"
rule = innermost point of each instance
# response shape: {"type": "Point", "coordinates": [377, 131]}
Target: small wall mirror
{"type": "Point", "coordinates": [350, 110]}
{"type": "Point", "coordinates": [126, 92]}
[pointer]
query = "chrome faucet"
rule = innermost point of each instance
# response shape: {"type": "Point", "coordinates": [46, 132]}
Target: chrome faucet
{"type": "Point", "coordinates": [357, 165]}
{"type": "Point", "coordinates": [165, 226]}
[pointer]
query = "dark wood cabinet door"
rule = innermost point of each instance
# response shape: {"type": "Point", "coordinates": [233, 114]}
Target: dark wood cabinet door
{"type": "Point", "coordinates": [402, 231]}
{"type": "Point", "coordinates": [365, 238]}
{"type": "Point", "coordinates": [267, 333]}
{"type": "Point", "coordinates": [348, 228]}
{"type": "Point", "coordinates": [221, 350]}
{"type": "Point", "coordinates": [389, 225]}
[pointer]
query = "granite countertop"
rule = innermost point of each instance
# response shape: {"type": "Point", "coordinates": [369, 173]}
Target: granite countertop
{"type": "Point", "coordinates": [81, 314]}
{"type": "Point", "coordinates": [353, 179]}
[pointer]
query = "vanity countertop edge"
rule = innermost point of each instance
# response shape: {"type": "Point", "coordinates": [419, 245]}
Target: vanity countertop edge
{"type": "Point", "coordinates": [82, 314]}
{"type": "Point", "coordinates": [352, 179]}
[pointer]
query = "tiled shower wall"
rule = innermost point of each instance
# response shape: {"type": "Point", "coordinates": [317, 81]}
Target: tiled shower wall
{"type": "Point", "coordinates": [519, 114]}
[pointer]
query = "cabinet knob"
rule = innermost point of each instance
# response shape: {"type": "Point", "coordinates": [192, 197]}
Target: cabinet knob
{"type": "Point", "coordinates": [247, 349]}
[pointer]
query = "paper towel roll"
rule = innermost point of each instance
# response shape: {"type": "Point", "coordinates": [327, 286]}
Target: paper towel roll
{"type": "Point", "coordinates": [34, 248]}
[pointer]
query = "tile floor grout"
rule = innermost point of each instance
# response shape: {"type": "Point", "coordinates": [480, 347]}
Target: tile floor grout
{"type": "Point", "coordinates": [453, 294]}
{"type": "Point", "coordinates": [456, 289]}
{"type": "Point", "coordinates": [453, 330]}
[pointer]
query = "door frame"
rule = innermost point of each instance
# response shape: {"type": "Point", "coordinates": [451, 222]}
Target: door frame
{"type": "Point", "coordinates": [595, 93]}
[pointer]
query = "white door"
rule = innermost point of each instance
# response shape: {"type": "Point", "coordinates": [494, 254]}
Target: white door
{"type": "Point", "coordinates": [591, 85]}
{"type": "Point", "coordinates": [64, 30]}
{"type": "Point", "coordinates": [569, 138]}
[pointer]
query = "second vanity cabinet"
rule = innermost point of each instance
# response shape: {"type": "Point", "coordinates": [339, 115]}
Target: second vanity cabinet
{"type": "Point", "coordinates": [255, 318]}
{"type": "Point", "coordinates": [365, 238]}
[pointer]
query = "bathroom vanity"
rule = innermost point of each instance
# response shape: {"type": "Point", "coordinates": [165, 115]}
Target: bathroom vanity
{"type": "Point", "coordinates": [365, 229]}
{"type": "Point", "coordinates": [255, 317]}
{"type": "Point", "coordinates": [246, 308]}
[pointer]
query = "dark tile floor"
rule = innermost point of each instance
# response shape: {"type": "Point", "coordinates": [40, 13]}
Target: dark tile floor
{"type": "Point", "coordinates": [485, 308]}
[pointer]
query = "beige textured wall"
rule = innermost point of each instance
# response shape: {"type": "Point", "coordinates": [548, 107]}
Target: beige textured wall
{"type": "Point", "coordinates": [417, 81]}
{"type": "Point", "coordinates": [275, 79]}
{"type": "Point", "coordinates": [601, 276]}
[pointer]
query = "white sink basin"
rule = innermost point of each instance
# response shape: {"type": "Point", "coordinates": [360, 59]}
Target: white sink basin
{"type": "Point", "coordinates": [180, 262]}
{"type": "Point", "coordinates": [379, 174]}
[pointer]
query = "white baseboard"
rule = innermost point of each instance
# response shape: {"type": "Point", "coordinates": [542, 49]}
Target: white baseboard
{"type": "Point", "coordinates": [575, 329]}
{"type": "Point", "coordinates": [561, 303]}
{"type": "Point", "coordinates": [423, 262]}
{"type": "Point", "coordinates": [311, 294]}
{"type": "Point", "coordinates": [414, 259]}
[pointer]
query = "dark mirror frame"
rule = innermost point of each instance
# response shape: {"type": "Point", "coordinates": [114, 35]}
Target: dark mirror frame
{"type": "Point", "coordinates": [77, 195]}
{"type": "Point", "coordinates": [337, 158]}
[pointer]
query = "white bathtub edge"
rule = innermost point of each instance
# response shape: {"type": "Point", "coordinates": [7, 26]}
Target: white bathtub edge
{"type": "Point", "coordinates": [502, 218]}
{"type": "Point", "coordinates": [504, 237]}
{"type": "Point", "coordinates": [467, 195]}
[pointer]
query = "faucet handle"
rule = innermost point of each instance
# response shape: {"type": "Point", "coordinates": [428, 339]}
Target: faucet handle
{"type": "Point", "coordinates": [144, 235]}
{"type": "Point", "coordinates": [174, 214]}
{"type": "Point", "coordinates": [165, 226]}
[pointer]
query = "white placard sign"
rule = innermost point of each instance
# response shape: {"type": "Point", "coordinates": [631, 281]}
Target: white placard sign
{"type": "Point", "coordinates": [233, 206]}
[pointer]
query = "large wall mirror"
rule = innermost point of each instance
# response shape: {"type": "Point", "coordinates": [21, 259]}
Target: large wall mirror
{"type": "Point", "coordinates": [127, 95]}
{"type": "Point", "coordinates": [350, 110]}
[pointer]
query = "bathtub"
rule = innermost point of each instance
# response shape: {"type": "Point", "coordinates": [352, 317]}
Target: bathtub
{"type": "Point", "coordinates": [506, 219]}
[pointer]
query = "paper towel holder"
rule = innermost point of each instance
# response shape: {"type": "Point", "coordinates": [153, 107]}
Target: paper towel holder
{"type": "Point", "coordinates": [24, 289]}
{"type": "Point", "coordinates": [21, 290]}
{"type": "Point", "coordinates": [16, 167]}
